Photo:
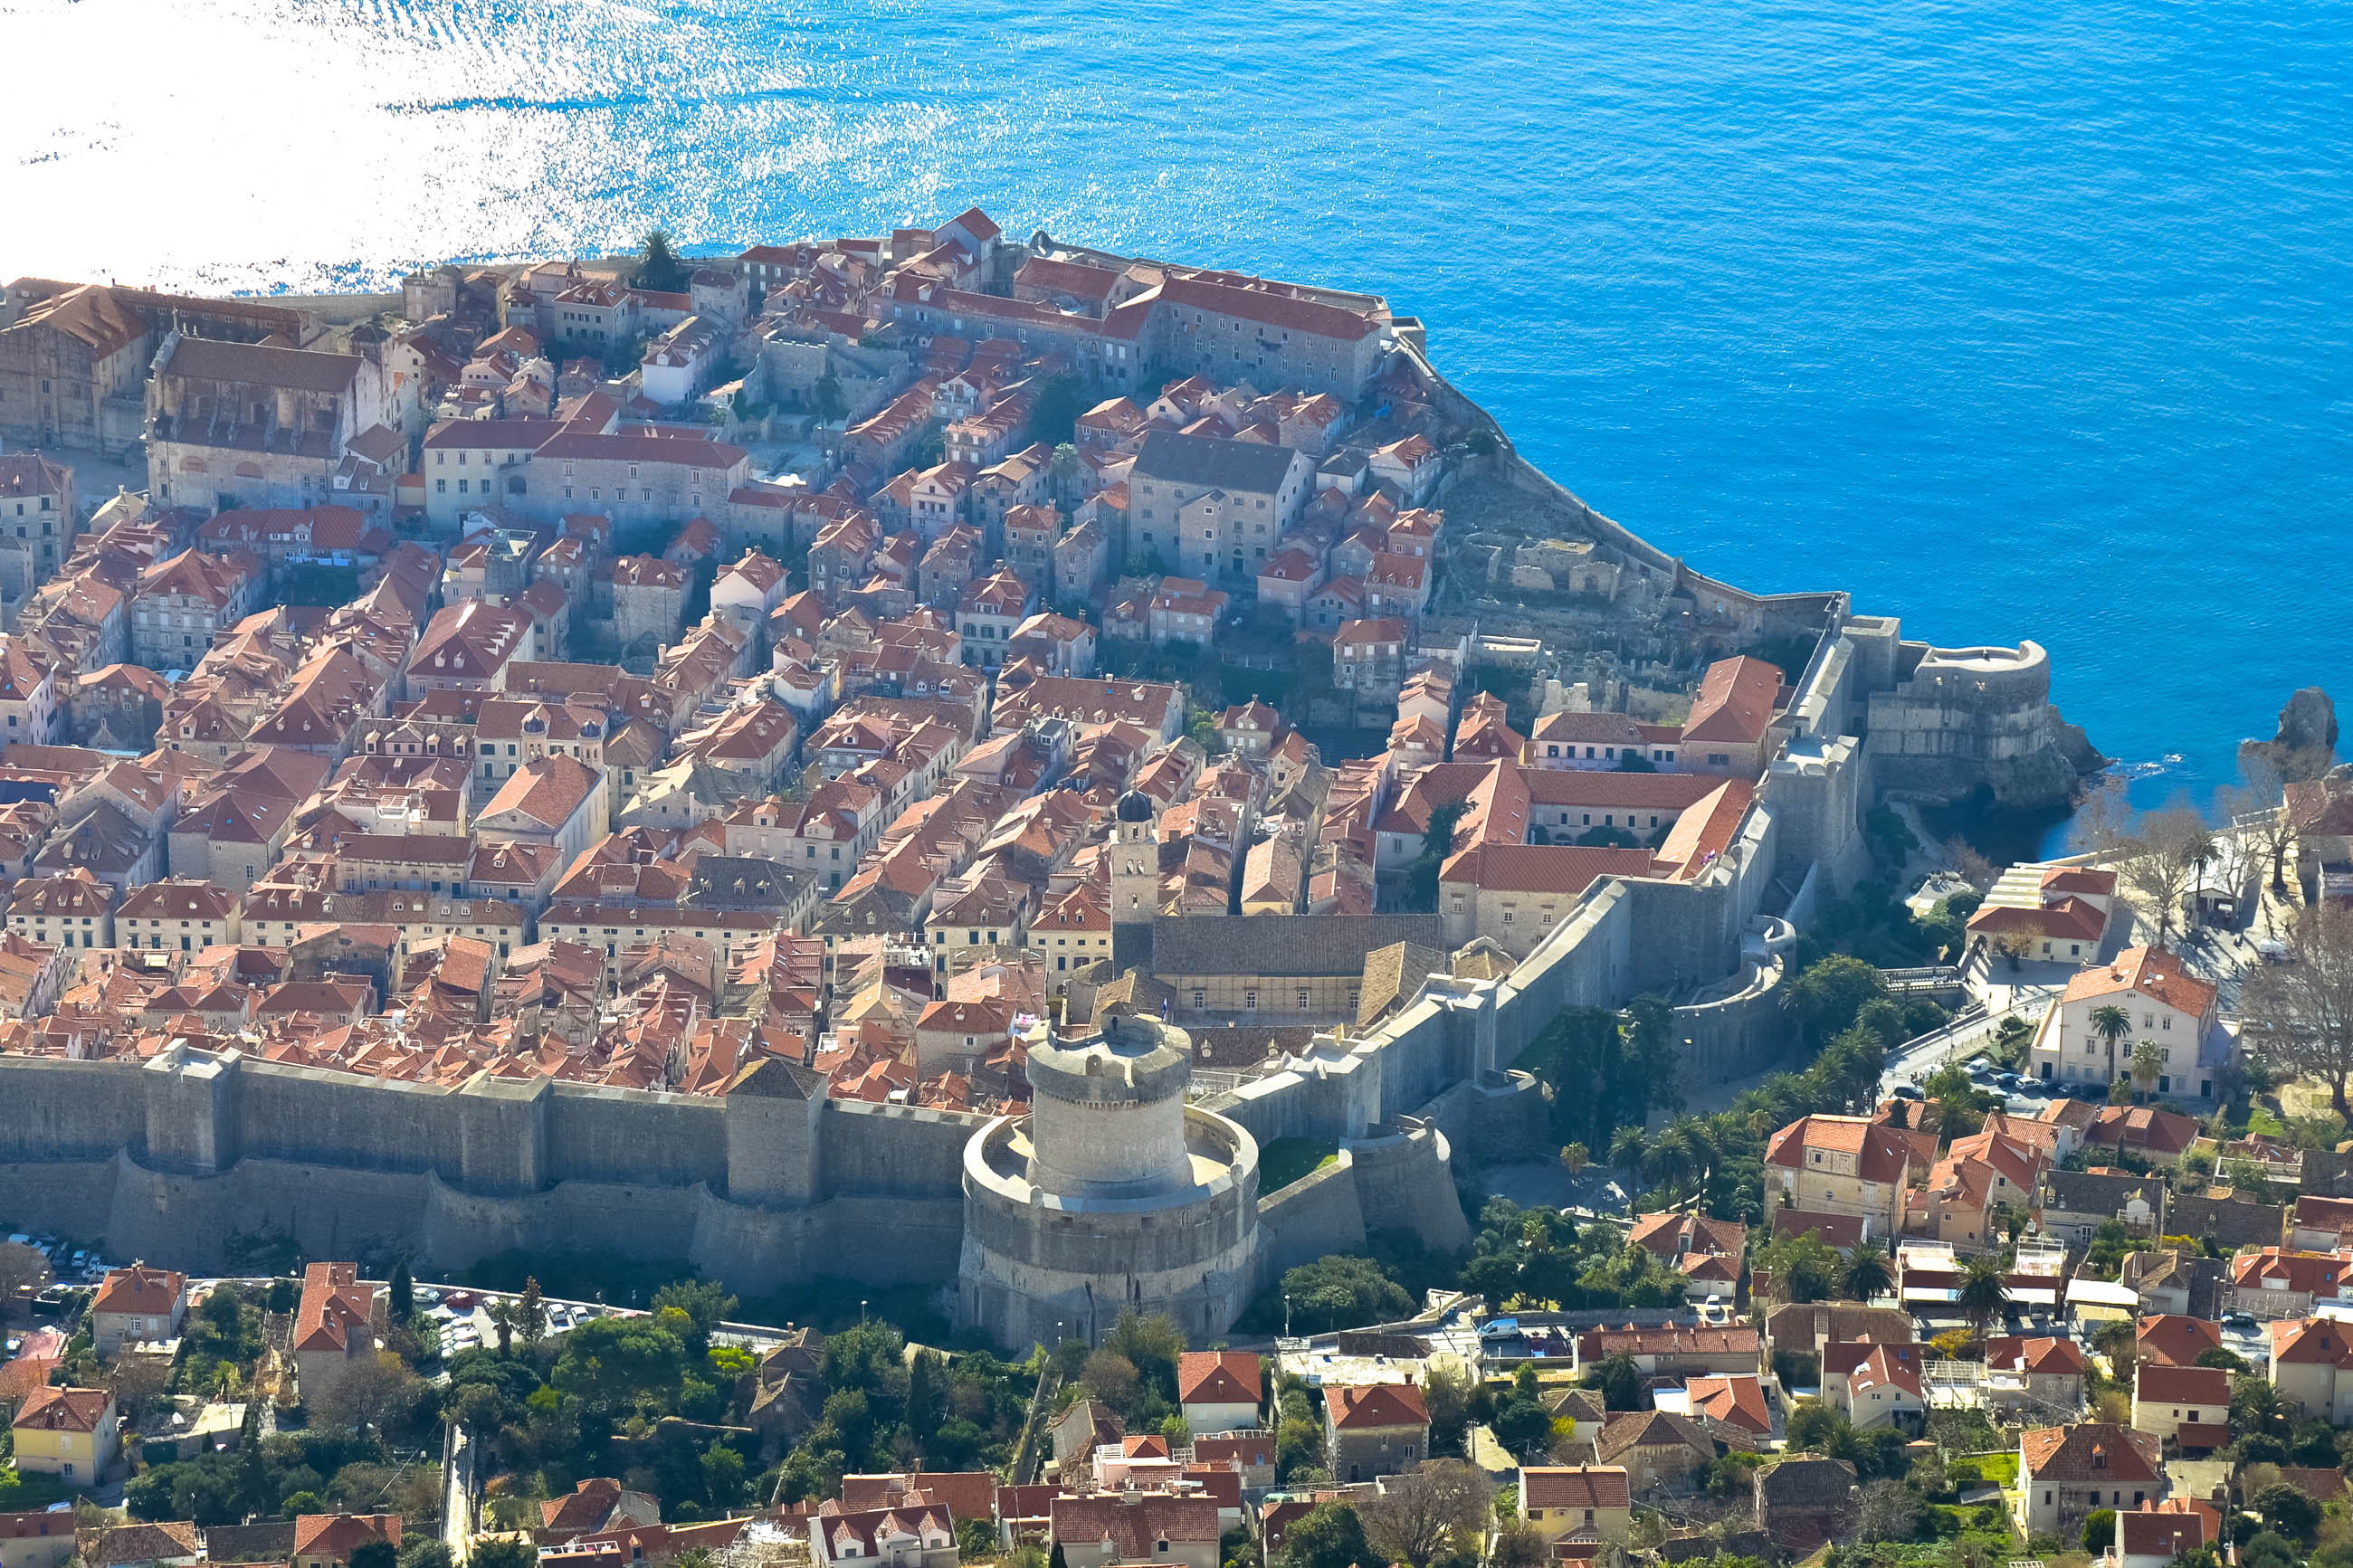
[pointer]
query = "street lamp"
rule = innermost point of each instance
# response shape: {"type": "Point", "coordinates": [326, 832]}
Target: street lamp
{"type": "Point", "coordinates": [861, 1309]}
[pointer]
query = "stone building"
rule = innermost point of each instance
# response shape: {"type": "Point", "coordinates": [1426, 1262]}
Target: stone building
{"type": "Point", "coordinates": [1112, 1194]}
{"type": "Point", "coordinates": [648, 599]}
{"type": "Point", "coordinates": [38, 518]}
{"type": "Point", "coordinates": [633, 480]}
{"type": "Point", "coordinates": [1375, 1429]}
{"type": "Point", "coordinates": [252, 425]}
{"type": "Point", "coordinates": [1214, 508]}
{"type": "Point", "coordinates": [181, 604]}
{"type": "Point", "coordinates": [74, 357]}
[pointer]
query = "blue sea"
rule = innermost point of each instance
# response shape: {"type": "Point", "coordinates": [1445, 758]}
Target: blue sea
{"type": "Point", "coordinates": [2015, 319]}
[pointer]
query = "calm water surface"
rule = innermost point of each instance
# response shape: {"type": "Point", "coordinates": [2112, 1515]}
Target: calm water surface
{"type": "Point", "coordinates": [2018, 320]}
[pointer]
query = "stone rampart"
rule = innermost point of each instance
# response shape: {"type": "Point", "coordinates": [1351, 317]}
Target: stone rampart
{"type": "Point", "coordinates": [895, 1151]}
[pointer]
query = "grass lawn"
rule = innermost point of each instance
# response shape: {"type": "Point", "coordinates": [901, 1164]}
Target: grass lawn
{"type": "Point", "coordinates": [21, 1490]}
{"type": "Point", "coordinates": [1286, 1160]}
{"type": "Point", "coordinates": [2001, 1469]}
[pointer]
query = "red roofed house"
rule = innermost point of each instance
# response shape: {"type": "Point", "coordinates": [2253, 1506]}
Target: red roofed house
{"type": "Point", "coordinates": [2062, 920]}
{"type": "Point", "coordinates": [2312, 1367]}
{"type": "Point", "coordinates": [36, 1539]}
{"type": "Point", "coordinates": [1875, 1385]}
{"type": "Point", "coordinates": [2154, 1537]}
{"type": "Point", "coordinates": [2065, 1472]}
{"type": "Point", "coordinates": [2044, 1371]}
{"type": "Point", "coordinates": [1736, 1400]}
{"type": "Point", "coordinates": [134, 1304]}
{"type": "Point", "coordinates": [911, 1536]}
{"type": "Point", "coordinates": [1136, 1527]}
{"type": "Point", "coordinates": [335, 1327]}
{"type": "Point", "coordinates": [2175, 1340]}
{"type": "Point", "coordinates": [328, 1539]}
{"type": "Point", "coordinates": [1374, 1429]}
{"type": "Point", "coordinates": [1843, 1164]}
{"type": "Point", "coordinates": [2167, 1006]}
{"type": "Point", "coordinates": [1219, 1391]}
{"type": "Point", "coordinates": [1707, 1251]}
{"type": "Point", "coordinates": [1567, 1501]}
{"type": "Point", "coordinates": [68, 1433]}
{"type": "Point", "coordinates": [2187, 1406]}
{"type": "Point", "coordinates": [1515, 894]}
{"type": "Point", "coordinates": [1730, 725]}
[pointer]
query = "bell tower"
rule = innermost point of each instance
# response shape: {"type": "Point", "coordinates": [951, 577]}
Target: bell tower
{"type": "Point", "coordinates": [1135, 851]}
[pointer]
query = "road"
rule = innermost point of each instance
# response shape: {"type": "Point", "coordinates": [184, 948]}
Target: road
{"type": "Point", "coordinates": [1914, 1059]}
{"type": "Point", "coordinates": [457, 1492]}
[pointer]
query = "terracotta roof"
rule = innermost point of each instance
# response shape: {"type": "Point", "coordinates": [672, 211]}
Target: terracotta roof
{"type": "Point", "coordinates": [1218, 1377]}
{"type": "Point", "coordinates": [2149, 971]}
{"type": "Point", "coordinates": [53, 1409]}
{"type": "Point", "coordinates": [1360, 1406]}
{"type": "Point", "coordinates": [1884, 1153]}
{"type": "Point", "coordinates": [335, 1534]}
{"type": "Point", "coordinates": [2165, 1384]}
{"type": "Point", "coordinates": [148, 1293]}
{"type": "Point", "coordinates": [1735, 701]}
{"type": "Point", "coordinates": [1576, 1486]}
{"type": "Point", "coordinates": [2091, 1451]}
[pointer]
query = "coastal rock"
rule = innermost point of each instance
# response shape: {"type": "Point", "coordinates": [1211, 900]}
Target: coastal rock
{"type": "Point", "coordinates": [2304, 743]}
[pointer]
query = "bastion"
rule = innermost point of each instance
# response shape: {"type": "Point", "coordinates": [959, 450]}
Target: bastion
{"type": "Point", "coordinates": [1112, 1194]}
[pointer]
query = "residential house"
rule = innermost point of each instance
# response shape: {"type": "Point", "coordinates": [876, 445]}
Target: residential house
{"type": "Point", "coordinates": [1374, 1429]}
{"type": "Point", "coordinates": [2066, 1472]}
{"type": "Point", "coordinates": [1568, 1501]}
{"type": "Point", "coordinates": [135, 1304]}
{"type": "Point", "coordinates": [1655, 1447]}
{"type": "Point", "coordinates": [1219, 1391]}
{"type": "Point", "coordinates": [2312, 1367]}
{"type": "Point", "coordinates": [2164, 1005]}
{"type": "Point", "coordinates": [2187, 1407]}
{"type": "Point", "coordinates": [68, 1433]}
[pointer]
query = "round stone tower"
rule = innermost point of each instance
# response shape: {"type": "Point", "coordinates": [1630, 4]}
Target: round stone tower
{"type": "Point", "coordinates": [1112, 1195]}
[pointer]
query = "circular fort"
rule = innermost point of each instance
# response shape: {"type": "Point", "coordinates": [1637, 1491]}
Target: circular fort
{"type": "Point", "coordinates": [1112, 1194]}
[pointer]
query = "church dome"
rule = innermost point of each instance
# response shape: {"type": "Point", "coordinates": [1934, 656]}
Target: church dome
{"type": "Point", "coordinates": [1135, 807]}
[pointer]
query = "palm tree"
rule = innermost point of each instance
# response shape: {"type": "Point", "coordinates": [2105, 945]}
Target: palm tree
{"type": "Point", "coordinates": [1670, 1161]}
{"type": "Point", "coordinates": [2148, 1066]}
{"type": "Point", "coordinates": [505, 1319]}
{"type": "Point", "coordinates": [1626, 1148]}
{"type": "Point", "coordinates": [2112, 1024]}
{"type": "Point", "coordinates": [1985, 1290]}
{"type": "Point", "coordinates": [1866, 1275]}
{"type": "Point", "coordinates": [1574, 1158]}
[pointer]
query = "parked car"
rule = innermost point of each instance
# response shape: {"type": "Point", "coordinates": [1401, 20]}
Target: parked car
{"type": "Point", "coordinates": [1906, 1091]}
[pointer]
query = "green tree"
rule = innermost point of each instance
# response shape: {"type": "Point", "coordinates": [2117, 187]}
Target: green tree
{"type": "Point", "coordinates": [501, 1552]}
{"type": "Point", "coordinates": [706, 1304]}
{"type": "Point", "coordinates": [504, 1319]}
{"type": "Point", "coordinates": [2287, 1510]}
{"type": "Point", "coordinates": [2112, 1024]}
{"type": "Point", "coordinates": [402, 1292]}
{"type": "Point", "coordinates": [1985, 1289]}
{"type": "Point", "coordinates": [1342, 1291]}
{"type": "Point", "coordinates": [1574, 1158]}
{"type": "Point", "coordinates": [1826, 997]}
{"type": "Point", "coordinates": [658, 266]}
{"type": "Point", "coordinates": [2148, 1066]}
{"type": "Point", "coordinates": [530, 1315]}
{"type": "Point", "coordinates": [1329, 1535]}
{"type": "Point", "coordinates": [722, 1476]}
{"type": "Point", "coordinates": [1626, 1148]}
{"type": "Point", "coordinates": [375, 1555]}
{"type": "Point", "coordinates": [2099, 1530]}
{"type": "Point", "coordinates": [924, 1410]}
{"type": "Point", "coordinates": [1621, 1382]}
{"type": "Point", "coordinates": [1437, 849]}
{"type": "Point", "coordinates": [1867, 1274]}
{"type": "Point", "coordinates": [827, 399]}
{"type": "Point", "coordinates": [425, 1552]}
{"type": "Point", "coordinates": [1055, 415]}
